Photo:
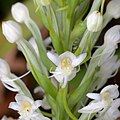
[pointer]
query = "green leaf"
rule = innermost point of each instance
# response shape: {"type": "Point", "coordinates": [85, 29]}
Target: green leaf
{"type": "Point", "coordinates": [39, 41]}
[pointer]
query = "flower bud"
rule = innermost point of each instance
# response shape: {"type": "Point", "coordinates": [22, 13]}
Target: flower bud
{"type": "Point", "coordinates": [113, 9]}
{"type": "Point", "coordinates": [95, 21]}
{"type": "Point", "coordinates": [112, 36]}
{"type": "Point", "coordinates": [43, 2]}
{"type": "Point", "coordinates": [12, 31]}
{"type": "Point", "coordinates": [20, 12]}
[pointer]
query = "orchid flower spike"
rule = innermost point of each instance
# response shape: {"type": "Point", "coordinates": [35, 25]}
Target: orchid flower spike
{"type": "Point", "coordinates": [95, 21]}
{"type": "Point", "coordinates": [66, 63]}
{"type": "Point", "coordinates": [12, 31]}
{"type": "Point", "coordinates": [27, 107]}
{"type": "Point", "coordinates": [20, 12]}
{"type": "Point", "coordinates": [102, 101]}
{"type": "Point", "coordinates": [113, 9]}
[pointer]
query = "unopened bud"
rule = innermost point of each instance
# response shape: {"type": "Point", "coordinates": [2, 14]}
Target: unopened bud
{"type": "Point", "coordinates": [95, 21]}
{"type": "Point", "coordinates": [12, 31]}
{"type": "Point", "coordinates": [20, 12]}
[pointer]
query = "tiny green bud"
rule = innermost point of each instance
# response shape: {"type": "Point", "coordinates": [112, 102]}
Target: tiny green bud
{"type": "Point", "coordinates": [95, 21]}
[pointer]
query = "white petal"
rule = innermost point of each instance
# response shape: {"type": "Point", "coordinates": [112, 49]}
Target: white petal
{"type": "Point", "coordinates": [14, 106]}
{"type": "Point", "coordinates": [79, 59]}
{"type": "Point", "coordinates": [112, 89]}
{"type": "Point", "coordinates": [21, 98]}
{"type": "Point", "coordinates": [67, 54]}
{"type": "Point", "coordinates": [92, 108]}
{"type": "Point", "coordinates": [116, 104]}
{"type": "Point", "coordinates": [53, 57]}
{"type": "Point", "coordinates": [64, 82]}
{"type": "Point", "coordinates": [12, 87]}
{"type": "Point", "coordinates": [73, 74]}
{"type": "Point", "coordinates": [38, 103]}
{"type": "Point", "coordinates": [58, 75]}
{"type": "Point", "coordinates": [94, 96]}
{"type": "Point", "coordinates": [45, 104]}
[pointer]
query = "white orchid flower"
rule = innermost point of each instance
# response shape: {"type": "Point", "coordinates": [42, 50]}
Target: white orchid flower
{"type": "Point", "coordinates": [107, 70]}
{"type": "Point", "coordinates": [27, 107]}
{"type": "Point", "coordinates": [8, 79]}
{"type": "Point", "coordinates": [111, 40]}
{"type": "Point", "coordinates": [66, 63]}
{"type": "Point", "coordinates": [12, 31]}
{"type": "Point", "coordinates": [102, 101]}
{"type": "Point", "coordinates": [112, 113]}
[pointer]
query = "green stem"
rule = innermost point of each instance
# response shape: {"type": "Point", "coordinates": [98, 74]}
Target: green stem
{"type": "Point", "coordinates": [66, 105]}
{"type": "Point", "coordinates": [102, 6]}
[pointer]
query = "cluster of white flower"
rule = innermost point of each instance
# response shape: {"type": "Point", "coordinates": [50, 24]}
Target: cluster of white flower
{"type": "Point", "coordinates": [64, 64]}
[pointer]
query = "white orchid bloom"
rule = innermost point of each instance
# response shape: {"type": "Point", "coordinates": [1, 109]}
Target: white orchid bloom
{"type": "Point", "coordinates": [26, 107]}
{"type": "Point", "coordinates": [111, 40]}
{"type": "Point", "coordinates": [12, 31]}
{"type": "Point", "coordinates": [95, 21]}
{"type": "Point", "coordinates": [20, 12]}
{"type": "Point", "coordinates": [107, 70]}
{"type": "Point", "coordinates": [8, 79]}
{"type": "Point", "coordinates": [66, 63]}
{"type": "Point", "coordinates": [112, 113]}
{"type": "Point", "coordinates": [102, 101]}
